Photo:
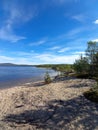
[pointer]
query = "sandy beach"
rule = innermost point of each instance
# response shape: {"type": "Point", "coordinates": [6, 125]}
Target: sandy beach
{"type": "Point", "coordinates": [56, 106]}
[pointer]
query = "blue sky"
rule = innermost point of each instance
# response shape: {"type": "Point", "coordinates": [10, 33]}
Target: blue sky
{"type": "Point", "coordinates": [46, 31]}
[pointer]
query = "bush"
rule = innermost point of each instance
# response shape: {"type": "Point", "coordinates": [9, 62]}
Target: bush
{"type": "Point", "coordinates": [47, 78]}
{"type": "Point", "coordinates": [83, 76]}
{"type": "Point", "coordinates": [92, 94]}
{"type": "Point", "coordinates": [81, 65]}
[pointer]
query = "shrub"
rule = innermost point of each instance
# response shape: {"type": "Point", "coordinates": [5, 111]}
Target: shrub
{"type": "Point", "coordinates": [82, 76]}
{"type": "Point", "coordinates": [81, 65]}
{"type": "Point", "coordinates": [47, 78]}
{"type": "Point", "coordinates": [92, 94]}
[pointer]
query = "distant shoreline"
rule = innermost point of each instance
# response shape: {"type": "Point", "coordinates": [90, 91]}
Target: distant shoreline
{"type": "Point", "coordinates": [17, 65]}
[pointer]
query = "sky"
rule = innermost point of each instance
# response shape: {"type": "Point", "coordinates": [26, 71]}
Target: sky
{"type": "Point", "coordinates": [46, 31]}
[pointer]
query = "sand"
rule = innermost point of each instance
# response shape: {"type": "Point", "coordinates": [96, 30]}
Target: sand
{"type": "Point", "coordinates": [56, 106]}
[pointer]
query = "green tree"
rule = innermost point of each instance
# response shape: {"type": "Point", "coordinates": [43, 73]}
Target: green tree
{"type": "Point", "coordinates": [47, 78]}
{"type": "Point", "coordinates": [91, 51]}
{"type": "Point", "coordinates": [81, 65]}
{"type": "Point", "coordinates": [95, 64]}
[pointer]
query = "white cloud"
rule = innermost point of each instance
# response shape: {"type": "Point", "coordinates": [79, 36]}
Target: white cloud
{"type": "Point", "coordinates": [15, 14]}
{"type": "Point", "coordinates": [42, 41]}
{"type": "Point", "coordinates": [36, 58]}
{"type": "Point", "coordinates": [95, 40]}
{"type": "Point", "coordinates": [22, 53]}
{"type": "Point", "coordinates": [5, 59]}
{"type": "Point", "coordinates": [16, 60]}
{"type": "Point", "coordinates": [96, 21]}
{"type": "Point", "coordinates": [8, 35]}
{"type": "Point", "coordinates": [19, 13]}
{"type": "Point", "coordinates": [64, 50]}
{"type": "Point", "coordinates": [21, 60]}
{"type": "Point", "coordinates": [79, 53]}
{"type": "Point", "coordinates": [79, 17]}
{"type": "Point", "coordinates": [74, 32]}
{"type": "Point", "coordinates": [54, 48]}
{"type": "Point", "coordinates": [49, 58]}
{"type": "Point", "coordinates": [71, 34]}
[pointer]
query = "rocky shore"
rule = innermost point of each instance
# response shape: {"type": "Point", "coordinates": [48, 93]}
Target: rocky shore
{"type": "Point", "coordinates": [56, 106]}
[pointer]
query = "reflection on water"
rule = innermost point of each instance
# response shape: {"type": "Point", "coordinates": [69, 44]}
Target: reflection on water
{"type": "Point", "coordinates": [13, 76]}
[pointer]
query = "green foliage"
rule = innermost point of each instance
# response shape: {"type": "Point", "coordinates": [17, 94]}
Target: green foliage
{"type": "Point", "coordinates": [88, 67]}
{"type": "Point", "coordinates": [92, 94]}
{"type": "Point", "coordinates": [61, 68]}
{"type": "Point", "coordinates": [82, 76]}
{"type": "Point", "coordinates": [95, 65]}
{"type": "Point", "coordinates": [88, 64]}
{"type": "Point", "coordinates": [47, 78]}
{"type": "Point", "coordinates": [81, 65]}
{"type": "Point", "coordinates": [91, 51]}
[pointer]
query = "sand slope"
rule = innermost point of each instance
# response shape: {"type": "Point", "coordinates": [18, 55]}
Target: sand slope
{"type": "Point", "coordinates": [59, 105]}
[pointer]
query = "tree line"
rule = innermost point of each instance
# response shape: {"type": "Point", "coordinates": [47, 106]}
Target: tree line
{"type": "Point", "coordinates": [58, 67]}
{"type": "Point", "coordinates": [88, 64]}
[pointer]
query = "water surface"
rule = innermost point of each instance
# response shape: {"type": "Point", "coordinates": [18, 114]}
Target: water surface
{"type": "Point", "coordinates": [13, 76]}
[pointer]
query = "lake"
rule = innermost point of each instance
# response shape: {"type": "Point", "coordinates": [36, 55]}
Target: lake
{"type": "Point", "coordinates": [13, 76]}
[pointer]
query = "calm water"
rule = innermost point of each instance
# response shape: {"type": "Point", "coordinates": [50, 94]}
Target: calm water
{"type": "Point", "coordinates": [12, 76]}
